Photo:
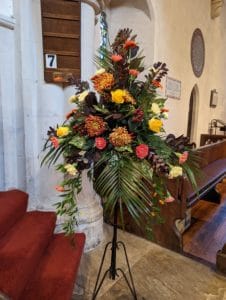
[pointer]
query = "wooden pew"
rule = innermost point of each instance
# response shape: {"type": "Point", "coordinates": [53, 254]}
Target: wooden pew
{"type": "Point", "coordinates": [177, 215]}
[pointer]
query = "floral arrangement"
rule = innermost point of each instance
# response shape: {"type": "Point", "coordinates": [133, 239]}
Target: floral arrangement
{"type": "Point", "coordinates": [119, 137]}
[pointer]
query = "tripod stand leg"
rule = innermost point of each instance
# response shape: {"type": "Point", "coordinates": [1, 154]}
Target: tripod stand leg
{"type": "Point", "coordinates": [132, 289]}
{"type": "Point", "coordinates": [99, 272]}
{"type": "Point", "coordinates": [96, 290]}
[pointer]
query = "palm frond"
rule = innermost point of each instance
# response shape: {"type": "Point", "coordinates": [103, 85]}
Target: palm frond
{"type": "Point", "coordinates": [124, 181]}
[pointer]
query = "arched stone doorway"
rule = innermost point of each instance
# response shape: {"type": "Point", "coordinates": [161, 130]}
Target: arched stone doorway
{"type": "Point", "coordinates": [193, 115]}
{"type": "Point", "coordinates": [137, 15]}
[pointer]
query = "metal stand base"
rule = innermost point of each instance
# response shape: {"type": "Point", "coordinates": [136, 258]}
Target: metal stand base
{"type": "Point", "coordinates": [112, 270]}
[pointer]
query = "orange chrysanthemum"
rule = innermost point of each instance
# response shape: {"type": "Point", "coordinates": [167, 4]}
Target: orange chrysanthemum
{"type": "Point", "coordinates": [94, 125]}
{"type": "Point", "coordinates": [103, 81]}
{"type": "Point", "coordinates": [120, 137]}
{"type": "Point", "coordinates": [129, 98]}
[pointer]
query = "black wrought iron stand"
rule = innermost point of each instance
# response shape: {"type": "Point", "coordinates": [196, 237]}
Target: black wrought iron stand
{"type": "Point", "coordinates": [113, 270]}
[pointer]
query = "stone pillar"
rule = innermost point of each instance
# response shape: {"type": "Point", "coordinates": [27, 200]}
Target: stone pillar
{"type": "Point", "coordinates": [90, 209]}
{"type": "Point", "coordinates": [90, 214]}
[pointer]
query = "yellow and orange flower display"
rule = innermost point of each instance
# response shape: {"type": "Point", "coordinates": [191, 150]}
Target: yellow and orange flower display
{"type": "Point", "coordinates": [103, 81]}
{"type": "Point", "coordinates": [120, 137]}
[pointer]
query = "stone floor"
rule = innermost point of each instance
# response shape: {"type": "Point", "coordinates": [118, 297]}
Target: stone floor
{"type": "Point", "coordinates": [159, 274]}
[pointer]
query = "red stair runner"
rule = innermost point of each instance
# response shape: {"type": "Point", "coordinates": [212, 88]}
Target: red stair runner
{"type": "Point", "coordinates": [54, 277]}
{"type": "Point", "coordinates": [35, 264]}
{"type": "Point", "coordinates": [13, 205]}
{"type": "Point", "coordinates": [21, 249]}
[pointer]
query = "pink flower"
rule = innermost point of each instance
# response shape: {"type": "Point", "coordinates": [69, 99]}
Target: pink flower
{"type": "Point", "coordinates": [116, 57]}
{"type": "Point", "coordinates": [169, 199]}
{"type": "Point", "coordinates": [134, 72]}
{"type": "Point", "coordinates": [142, 151]}
{"type": "Point", "coordinates": [100, 143]}
{"type": "Point", "coordinates": [59, 188]}
{"type": "Point", "coordinates": [183, 157]}
{"type": "Point", "coordinates": [55, 142]}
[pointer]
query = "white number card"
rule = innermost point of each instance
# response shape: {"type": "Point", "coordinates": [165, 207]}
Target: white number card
{"type": "Point", "coordinates": [51, 61]}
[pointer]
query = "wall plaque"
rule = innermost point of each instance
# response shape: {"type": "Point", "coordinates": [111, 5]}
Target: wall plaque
{"type": "Point", "coordinates": [197, 52]}
{"type": "Point", "coordinates": [173, 88]}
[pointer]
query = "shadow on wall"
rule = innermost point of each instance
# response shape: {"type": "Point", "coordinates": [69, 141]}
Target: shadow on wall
{"type": "Point", "coordinates": [138, 4]}
{"type": "Point", "coordinates": [137, 15]}
{"type": "Point", "coordinates": [192, 127]}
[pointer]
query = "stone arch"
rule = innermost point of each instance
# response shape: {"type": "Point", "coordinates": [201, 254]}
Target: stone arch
{"type": "Point", "coordinates": [137, 15]}
{"type": "Point", "coordinates": [192, 126]}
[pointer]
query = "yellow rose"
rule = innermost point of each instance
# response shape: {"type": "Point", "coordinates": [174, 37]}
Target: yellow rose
{"type": "Point", "coordinates": [175, 172]}
{"type": "Point", "coordinates": [155, 125]}
{"type": "Point", "coordinates": [155, 108]}
{"type": "Point", "coordinates": [118, 96]}
{"type": "Point", "coordinates": [62, 131]}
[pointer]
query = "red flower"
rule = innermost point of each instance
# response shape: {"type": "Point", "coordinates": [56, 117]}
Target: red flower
{"type": "Point", "coordinates": [156, 84]}
{"type": "Point", "coordinates": [130, 44]}
{"type": "Point", "coordinates": [116, 57]}
{"type": "Point", "coordinates": [100, 143]}
{"type": "Point", "coordinates": [183, 157]}
{"type": "Point", "coordinates": [55, 142]}
{"type": "Point", "coordinates": [134, 72]}
{"type": "Point", "coordinates": [70, 114]}
{"type": "Point", "coordinates": [59, 188]}
{"type": "Point", "coordinates": [138, 115]}
{"type": "Point", "coordinates": [142, 151]}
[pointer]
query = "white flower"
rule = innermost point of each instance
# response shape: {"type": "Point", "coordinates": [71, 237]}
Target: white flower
{"type": "Point", "coordinates": [155, 108]}
{"type": "Point", "coordinates": [81, 96]}
{"type": "Point", "coordinates": [100, 71]}
{"type": "Point", "coordinates": [165, 115]}
{"type": "Point", "coordinates": [71, 169]}
{"type": "Point", "coordinates": [175, 172]}
{"type": "Point", "coordinates": [73, 99]}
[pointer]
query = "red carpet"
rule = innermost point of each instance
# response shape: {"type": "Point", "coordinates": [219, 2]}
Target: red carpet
{"type": "Point", "coordinates": [48, 282]}
{"type": "Point", "coordinates": [35, 264]}
{"type": "Point", "coordinates": [13, 205]}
